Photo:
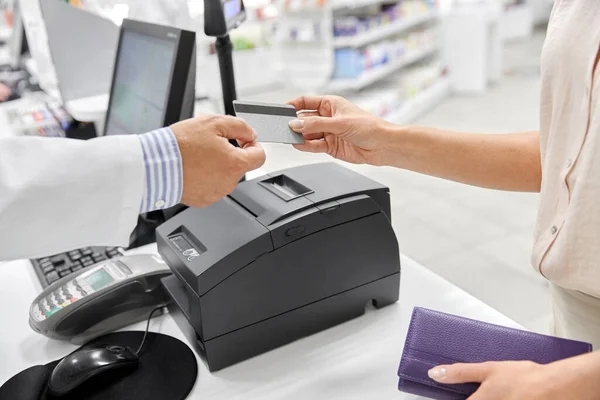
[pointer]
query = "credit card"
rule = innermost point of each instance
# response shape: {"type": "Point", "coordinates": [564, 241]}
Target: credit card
{"type": "Point", "coordinates": [269, 121]}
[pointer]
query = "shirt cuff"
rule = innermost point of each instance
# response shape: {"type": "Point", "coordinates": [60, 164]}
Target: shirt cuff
{"type": "Point", "coordinates": [163, 184]}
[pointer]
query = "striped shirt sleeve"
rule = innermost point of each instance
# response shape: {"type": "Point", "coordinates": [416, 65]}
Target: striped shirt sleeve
{"type": "Point", "coordinates": [163, 184]}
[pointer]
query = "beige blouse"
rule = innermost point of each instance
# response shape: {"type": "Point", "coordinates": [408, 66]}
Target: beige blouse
{"type": "Point", "coordinates": [567, 245]}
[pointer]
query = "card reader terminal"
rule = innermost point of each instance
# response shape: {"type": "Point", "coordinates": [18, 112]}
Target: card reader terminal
{"type": "Point", "coordinates": [99, 299]}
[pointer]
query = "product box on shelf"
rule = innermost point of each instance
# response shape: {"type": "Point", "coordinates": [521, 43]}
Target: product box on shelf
{"type": "Point", "coordinates": [395, 94]}
{"type": "Point", "coordinates": [356, 24]}
{"type": "Point", "coordinates": [351, 63]}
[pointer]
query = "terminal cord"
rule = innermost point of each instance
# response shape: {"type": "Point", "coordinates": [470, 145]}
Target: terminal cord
{"type": "Point", "coordinates": [137, 353]}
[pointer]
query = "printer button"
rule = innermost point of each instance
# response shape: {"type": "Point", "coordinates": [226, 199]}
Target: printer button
{"type": "Point", "coordinates": [328, 207]}
{"type": "Point", "coordinates": [295, 230]}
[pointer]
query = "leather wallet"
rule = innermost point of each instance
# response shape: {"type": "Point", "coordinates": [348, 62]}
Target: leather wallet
{"type": "Point", "coordinates": [435, 338]}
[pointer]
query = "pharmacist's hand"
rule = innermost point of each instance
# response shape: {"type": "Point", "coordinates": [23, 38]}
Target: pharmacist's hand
{"type": "Point", "coordinates": [335, 126]}
{"type": "Point", "coordinates": [212, 167]}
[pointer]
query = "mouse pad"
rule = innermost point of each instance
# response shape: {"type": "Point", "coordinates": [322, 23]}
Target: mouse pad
{"type": "Point", "coordinates": [269, 121]}
{"type": "Point", "coordinates": [29, 384]}
{"type": "Point", "coordinates": [167, 370]}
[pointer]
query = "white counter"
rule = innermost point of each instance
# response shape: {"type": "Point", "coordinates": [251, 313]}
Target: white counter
{"type": "Point", "coordinates": [355, 360]}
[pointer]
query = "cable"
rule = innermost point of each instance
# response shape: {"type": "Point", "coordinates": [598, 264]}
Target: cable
{"type": "Point", "coordinates": [137, 353]}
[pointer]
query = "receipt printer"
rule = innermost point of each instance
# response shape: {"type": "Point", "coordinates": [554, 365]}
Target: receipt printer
{"type": "Point", "coordinates": [284, 256]}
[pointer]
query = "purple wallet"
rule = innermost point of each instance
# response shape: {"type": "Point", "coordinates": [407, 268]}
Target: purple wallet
{"type": "Point", "coordinates": [436, 338]}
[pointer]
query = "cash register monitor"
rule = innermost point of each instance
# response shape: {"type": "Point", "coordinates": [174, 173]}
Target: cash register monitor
{"type": "Point", "coordinates": [82, 45]}
{"type": "Point", "coordinates": [222, 16]}
{"type": "Point", "coordinates": [153, 79]}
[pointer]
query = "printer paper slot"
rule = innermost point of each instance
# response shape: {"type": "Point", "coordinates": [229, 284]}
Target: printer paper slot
{"type": "Point", "coordinates": [285, 187]}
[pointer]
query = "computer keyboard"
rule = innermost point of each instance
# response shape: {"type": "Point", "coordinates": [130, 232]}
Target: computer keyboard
{"type": "Point", "coordinates": [51, 269]}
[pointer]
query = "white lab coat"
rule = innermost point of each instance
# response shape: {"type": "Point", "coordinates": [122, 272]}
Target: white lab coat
{"type": "Point", "coordinates": [62, 194]}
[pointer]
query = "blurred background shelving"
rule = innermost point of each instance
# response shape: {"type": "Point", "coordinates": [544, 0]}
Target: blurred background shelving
{"type": "Point", "coordinates": [355, 48]}
{"type": "Point", "coordinates": [348, 47]}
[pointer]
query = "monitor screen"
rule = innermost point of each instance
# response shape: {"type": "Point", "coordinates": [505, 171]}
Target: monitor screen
{"type": "Point", "coordinates": [141, 83]}
{"type": "Point", "coordinates": [231, 8]}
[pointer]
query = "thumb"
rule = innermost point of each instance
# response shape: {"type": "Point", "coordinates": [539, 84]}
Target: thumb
{"type": "Point", "coordinates": [320, 124]}
{"type": "Point", "coordinates": [237, 129]}
{"type": "Point", "coordinates": [461, 373]}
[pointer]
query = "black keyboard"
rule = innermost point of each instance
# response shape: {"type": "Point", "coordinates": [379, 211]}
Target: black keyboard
{"type": "Point", "coordinates": [51, 269]}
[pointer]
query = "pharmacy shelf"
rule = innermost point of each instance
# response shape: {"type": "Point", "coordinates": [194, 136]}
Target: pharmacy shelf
{"type": "Point", "coordinates": [384, 31]}
{"type": "Point", "coordinates": [377, 74]}
{"type": "Point", "coordinates": [421, 103]}
{"type": "Point", "coordinates": [332, 5]}
{"type": "Point", "coordinates": [339, 4]}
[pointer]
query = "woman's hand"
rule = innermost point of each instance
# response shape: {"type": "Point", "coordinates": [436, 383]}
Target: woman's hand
{"type": "Point", "coordinates": [333, 125]}
{"type": "Point", "coordinates": [519, 380]}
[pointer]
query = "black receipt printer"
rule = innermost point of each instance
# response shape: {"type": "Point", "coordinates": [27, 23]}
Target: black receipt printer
{"type": "Point", "coordinates": [284, 256]}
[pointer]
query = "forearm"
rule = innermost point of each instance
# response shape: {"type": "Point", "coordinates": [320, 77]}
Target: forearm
{"type": "Point", "coordinates": [60, 194]}
{"type": "Point", "coordinates": [496, 161]}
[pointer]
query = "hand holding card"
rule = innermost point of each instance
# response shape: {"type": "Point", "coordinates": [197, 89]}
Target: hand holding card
{"type": "Point", "coordinates": [269, 121]}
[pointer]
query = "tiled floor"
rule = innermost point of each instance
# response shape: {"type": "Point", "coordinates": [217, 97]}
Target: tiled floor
{"type": "Point", "coordinates": [476, 238]}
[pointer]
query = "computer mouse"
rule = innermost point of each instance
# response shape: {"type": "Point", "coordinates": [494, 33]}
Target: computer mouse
{"type": "Point", "coordinates": [90, 362]}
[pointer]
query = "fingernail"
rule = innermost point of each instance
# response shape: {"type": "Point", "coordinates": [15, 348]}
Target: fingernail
{"type": "Point", "coordinates": [296, 124]}
{"type": "Point", "coordinates": [437, 373]}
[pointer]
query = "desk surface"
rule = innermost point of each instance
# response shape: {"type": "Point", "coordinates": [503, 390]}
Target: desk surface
{"type": "Point", "coordinates": [355, 360]}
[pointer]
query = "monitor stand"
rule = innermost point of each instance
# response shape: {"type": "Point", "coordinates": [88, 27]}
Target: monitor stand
{"type": "Point", "coordinates": [224, 49]}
